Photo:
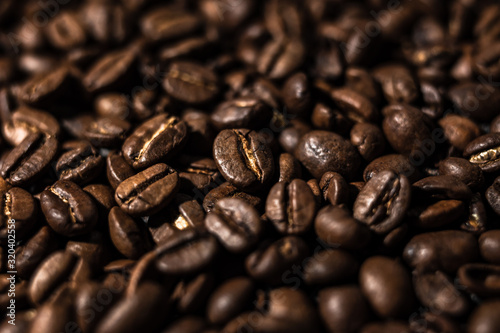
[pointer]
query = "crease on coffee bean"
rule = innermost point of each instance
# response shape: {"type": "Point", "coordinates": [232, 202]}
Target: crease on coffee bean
{"type": "Point", "coordinates": [22, 162]}
{"type": "Point", "coordinates": [169, 123]}
{"type": "Point", "coordinates": [246, 152]}
{"type": "Point", "coordinates": [186, 77]}
{"type": "Point", "coordinates": [135, 193]}
{"type": "Point", "coordinates": [386, 201]}
{"type": "Point", "coordinates": [66, 201]}
{"type": "Point", "coordinates": [7, 202]}
{"type": "Point", "coordinates": [485, 157]}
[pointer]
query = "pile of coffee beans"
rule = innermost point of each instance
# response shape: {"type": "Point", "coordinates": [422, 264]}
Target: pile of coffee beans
{"type": "Point", "coordinates": [253, 166]}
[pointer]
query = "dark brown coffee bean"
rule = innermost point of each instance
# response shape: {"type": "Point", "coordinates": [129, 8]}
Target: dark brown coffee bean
{"type": "Point", "coordinates": [243, 112]}
{"type": "Point", "coordinates": [489, 243]}
{"type": "Point", "coordinates": [291, 207]}
{"type": "Point", "coordinates": [386, 327]}
{"type": "Point", "coordinates": [359, 80]}
{"type": "Point", "coordinates": [483, 152]}
{"type": "Point", "coordinates": [383, 201]}
{"type": "Point", "coordinates": [397, 83]}
{"type": "Point", "coordinates": [106, 132]}
{"type": "Point", "coordinates": [369, 140]}
{"type": "Point", "coordinates": [228, 190]}
{"type": "Point", "coordinates": [198, 173]}
{"type": "Point", "coordinates": [475, 100]}
{"type": "Point", "coordinates": [289, 168]}
{"type": "Point", "coordinates": [155, 140]}
{"type": "Point", "coordinates": [80, 164]}
{"type": "Point", "coordinates": [329, 119]}
{"type": "Point", "coordinates": [387, 286]}
{"type": "Point", "coordinates": [235, 223]}
{"type": "Point", "coordinates": [480, 279]}
{"type": "Point", "coordinates": [112, 105]}
{"type": "Point", "coordinates": [337, 227]}
{"type": "Point", "coordinates": [459, 131]}
{"type": "Point", "coordinates": [430, 322]}
{"type": "Point", "coordinates": [167, 23]}
{"type": "Point", "coordinates": [30, 254]}
{"type": "Point", "coordinates": [272, 261]}
{"type": "Point", "coordinates": [279, 58]}
{"type": "Point", "coordinates": [230, 299]}
{"type": "Point", "coordinates": [296, 94]}
{"type": "Point", "coordinates": [201, 132]}
{"type": "Point", "coordinates": [117, 169]}
{"type": "Point", "coordinates": [437, 291]}
{"type": "Point", "coordinates": [396, 163]}
{"type": "Point", "coordinates": [442, 250]}
{"type": "Point", "coordinates": [290, 137]}
{"type": "Point", "coordinates": [65, 31]}
{"type": "Point", "coordinates": [186, 253]}
{"type": "Point", "coordinates": [339, 305]}
{"type": "Point", "coordinates": [443, 187]}
{"type": "Point", "coordinates": [19, 213]}
{"type": "Point", "coordinates": [68, 209]}
{"type": "Point", "coordinates": [334, 188]}
{"type": "Point", "coordinates": [191, 83]}
{"type": "Point", "coordinates": [485, 318]}
{"type": "Point", "coordinates": [407, 130]}
{"type": "Point", "coordinates": [440, 213]}
{"type": "Point", "coordinates": [468, 173]}
{"type": "Point", "coordinates": [354, 106]}
{"type": "Point", "coordinates": [330, 266]}
{"type": "Point", "coordinates": [243, 158]}
{"type": "Point", "coordinates": [187, 324]}
{"type": "Point", "coordinates": [477, 219]}
{"type": "Point", "coordinates": [487, 62]}
{"type": "Point", "coordinates": [130, 237]}
{"type": "Point", "coordinates": [148, 191]}
{"type": "Point", "coordinates": [315, 153]}
{"type": "Point", "coordinates": [46, 88]}
{"type": "Point", "coordinates": [29, 159]}
{"type": "Point", "coordinates": [191, 294]}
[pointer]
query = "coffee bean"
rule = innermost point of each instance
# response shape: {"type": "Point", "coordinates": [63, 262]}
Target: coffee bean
{"type": "Point", "coordinates": [201, 132]}
{"type": "Point", "coordinates": [280, 58]}
{"type": "Point", "coordinates": [289, 168]}
{"type": "Point", "coordinates": [191, 293]}
{"type": "Point", "coordinates": [485, 318]}
{"type": "Point", "coordinates": [66, 31]}
{"type": "Point", "coordinates": [148, 191]}
{"type": "Point", "coordinates": [187, 324]}
{"type": "Point", "coordinates": [297, 94]}
{"type": "Point", "coordinates": [442, 250]}
{"type": "Point", "coordinates": [383, 201]}
{"type": "Point", "coordinates": [117, 169]}
{"type": "Point", "coordinates": [475, 100]}
{"type": "Point", "coordinates": [228, 190]}
{"type": "Point", "coordinates": [433, 322]}
{"type": "Point", "coordinates": [462, 169]}
{"type": "Point", "coordinates": [387, 286]}
{"type": "Point", "coordinates": [289, 138]}
{"type": "Point", "coordinates": [369, 140]}
{"type": "Point", "coordinates": [46, 87]}
{"type": "Point", "coordinates": [396, 163]}
{"type": "Point", "coordinates": [480, 279]}
{"type": "Point", "coordinates": [155, 140]}
{"type": "Point", "coordinates": [68, 209]}
{"type": "Point", "coordinates": [130, 237]}
{"type": "Point", "coordinates": [106, 132]}
{"type": "Point", "coordinates": [354, 106]}
{"type": "Point", "coordinates": [112, 105]}
{"type": "Point", "coordinates": [397, 83]}
{"type": "Point", "coordinates": [34, 250]}
{"type": "Point", "coordinates": [18, 205]}
{"type": "Point", "coordinates": [244, 112]}
{"type": "Point", "coordinates": [315, 153]}
{"type": "Point", "coordinates": [329, 119]}
{"type": "Point", "coordinates": [80, 164]}
{"type": "Point", "coordinates": [105, 22]}
{"type": "Point", "coordinates": [330, 266]}
{"type": "Point", "coordinates": [243, 158]}
{"type": "Point", "coordinates": [191, 83]}
{"type": "Point", "coordinates": [386, 327]}
{"type": "Point", "coordinates": [198, 173]}
{"type": "Point", "coordinates": [235, 223]}
{"type": "Point", "coordinates": [440, 213]}
{"type": "Point", "coordinates": [167, 23]}
{"type": "Point", "coordinates": [442, 187]}
{"type": "Point", "coordinates": [489, 243]}
{"type": "Point", "coordinates": [459, 131]}
{"type": "Point", "coordinates": [291, 207]}
{"type": "Point", "coordinates": [483, 152]}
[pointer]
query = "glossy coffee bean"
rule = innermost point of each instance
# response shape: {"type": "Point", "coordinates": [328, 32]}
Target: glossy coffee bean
{"type": "Point", "coordinates": [289, 168]}
{"type": "Point", "coordinates": [475, 100]}
{"type": "Point", "coordinates": [167, 23]}
{"type": "Point", "coordinates": [396, 163]}
{"type": "Point", "coordinates": [20, 206]}
{"type": "Point", "coordinates": [468, 173]}
{"type": "Point", "coordinates": [154, 141]}
{"type": "Point", "coordinates": [483, 152]}
{"type": "Point", "coordinates": [315, 153]}
{"type": "Point", "coordinates": [354, 105]}
{"type": "Point", "coordinates": [243, 158]}
{"type": "Point", "coordinates": [459, 131]}
{"type": "Point", "coordinates": [81, 162]}
{"type": "Point", "coordinates": [489, 243]}
{"type": "Point", "coordinates": [291, 207]}
{"type": "Point", "coordinates": [227, 190]}
{"type": "Point", "coordinates": [297, 94]}
{"type": "Point", "coordinates": [244, 112]}
{"type": "Point", "coordinates": [235, 223]}
{"type": "Point", "coordinates": [68, 209]}
{"type": "Point", "coordinates": [334, 188]}
{"type": "Point", "coordinates": [382, 203]}
{"type": "Point", "coordinates": [442, 187]}
{"type": "Point", "coordinates": [148, 191]}
{"type": "Point", "coordinates": [485, 318]}
{"type": "Point", "coordinates": [330, 267]}
{"type": "Point", "coordinates": [397, 83]}
{"type": "Point", "coordinates": [387, 286]}
{"type": "Point", "coordinates": [34, 250]}
{"type": "Point", "coordinates": [45, 88]}
{"type": "Point", "coordinates": [369, 140]}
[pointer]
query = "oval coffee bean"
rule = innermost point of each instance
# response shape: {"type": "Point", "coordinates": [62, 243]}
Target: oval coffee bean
{"type": "Point", "coordinates": [369, 140]}
{"type": "Point", "coordinates": [235, 223]}
{"type": "Point", "coordinates": [20, 206]}
{"type": "Point", "coordinates": [334, 188]}
{"type": "Point", "coordinates": [330, 266]}
{"type": "Point", "coordinates": [243, 112]}
{"type": "Point", "coordinates": [227, 190]}
{"type": "Point", "coordinates": [397, 163]}
{"type": "Point", "coordinates": [80, 164]}
{"type": "Point", "coordinates": [291, 207]}
{"type": "Point", "coordinates": [68, 209]}
{"type": "Point", "coordinates": [383, 201]}
{"type": "Point", "coordinates": [148, 191]}
{"type": "Point", "coordinates": [485, 152]}
{"type": "Point", "coordinates": [243, 158]}
{"type": "Point", "coordinates": [489, 246]}
{"type": "Point", "coordinates": [154, 141]}
{"type": "Point", "coordinates": [117, 169]}
{"type": "Point", "coordinates": [468, 173]}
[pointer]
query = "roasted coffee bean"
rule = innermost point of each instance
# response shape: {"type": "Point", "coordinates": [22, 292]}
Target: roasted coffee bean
{"type": "Point", "coordinates": [477, 218]}
{"type": "Point", "coordinates": [289, 168]}
{"type": "Point", "coordinates": [68, 209]}
{"type": "Point", "coordinates": [243, 158]}
{"type": "Point", "coordinates": [148, 191]}
{"type": "Point", "coordinates": [291, 207]}
{"type": "Point", "coordinates": [330, 266]}
{"type": "Point", "coordinates": [190, 82]}
{"type": "Point", "coordinates": [235, 223]}
{"type": "Point", "coordinates": [296, 94]}
{"type": "Point", "coordinates": [244, 112]}
{"type": "Point", "coordinates": [46, 87]}
{"type": "Point", "coordinates": [487, 61]}
{"type": "Point", "coordinates": [230, 299]}
{"type": "Point", "coordinates": [334, 188]}
{"type": "Point", "coordinates": [105, 22]}
{"type": "Point", "coordinates": [92, 248]}
{"type": "Point", "coordinates": [354, 106]}
{"type": "Point", "coordinates": [387, 286]}
{"type": "Point", "coordinates": [191, 294]}
{"type": "Point", "coordinates": [383, 201]}
{"type": "Point", "coordinates": [493, 196]}
{"type": "Point", "coordinates": [443, 187]}
{"type": "Point", "coordinates": [475, 100]}
{"type": "Point", "coordinates": [437, 291]}
{"type": "Point", "coordinates": [227, 190]}
{"type": "Point", "coordinates": [198, 173]}
{"type": "Point", "coordinates": [201, 133]}
{"type": "Point", "coordinates": [359, 80]}
{"type": "Point", "coordinates": [107, 132]}
{"type": "Point", "coordinates": [397, 83]}
{"type": "Point", "coordinates": [406, 129]}
{"type": "Point", "coordinates": [188, 252]}
{"type": "Point", "coordinates": [65, 31]}
{"type": "Point", "coordinates": [468, 173]}
{"type": "Point", "coordinates": [187, 324]}
{"type": "Point", "coordinates": [485, 318]}
{"type": "Point", "coordinates": [19, 212]}
{"type": "Point", "coordinates": [272, 262]}
{"type": "Point", "coordinates": [480, 279]}
{"type": "Point", "coordinates": [279, 58]}
{"type": "Point", "coordinates": [339, 305]}
{"type": "Point", "coordinates": [369, 140]}
{"type": "Point", "coordinates": [80, 164]}
{"type": "Point", "coordinates": [326, 118]}
{"type": "Point", "coordinates": [155, 140]}
{"type": "Point", "coordinates": [117, 169]}
{"type": "Point", "coordinates": [289, 138]}
{"type": "Point", "coordinates": [130, 237]}
{"type": "Point", "coordinates": [336, 227]}
{"type": "Point", "coordinates": [396, 163]}
{"type": "Point", "coordinates": [442, 250]}
{"type": "Point", "coordinates": [34, 250]}
{"type": "Point", "coordinates": [167, 23]}
{"type": "Point", "coordinates": [112, 105]}
{"type": "Point", "coordinates": [483, 152]}
{"type": "Point", "coordinates": [315, 153]}
{"type": "Point", "coordinates": [440, 213]}
{"type": "Point", "coordinates": [489, 243]}
{"type": "Point", "coordinates": [29, 159]}
{"type": "Point", "coordinates": [459, 131]}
